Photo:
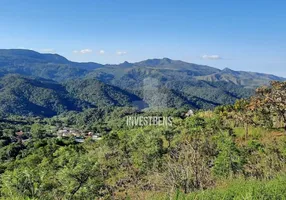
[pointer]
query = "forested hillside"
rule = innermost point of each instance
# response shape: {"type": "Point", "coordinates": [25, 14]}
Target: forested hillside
{"type": "Point", "coordinates": [28, 96]}
{"type": "Point", "coordinates": [234, 152]}
{"type": "Point", "coordinates": [100, 94]}
{"type": "Point", "coordinates": [24, 95]}
{"type": "Point", "coordinates": [21, 95]}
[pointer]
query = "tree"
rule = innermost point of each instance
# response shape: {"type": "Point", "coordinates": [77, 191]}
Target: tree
{"type": "Point", "coordinates": [271, 100]}
{"type": "Point", "coordinates": [80, 177]}
{"type": "Point", "coordinates": [242, 115]}
{"type": "Point", "coordinates": [228, 161]}
{"type": "Point", "coordinates": [169, 135]}
{"type": "Point", "coordinates": [187, 166]}
{"type": "Point", "coordinates": [37, 131]}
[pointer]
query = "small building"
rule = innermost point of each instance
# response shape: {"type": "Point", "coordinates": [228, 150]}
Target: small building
{"type": "Point", "coordinates": [68, 132]}
{"type": "Point", "coordinates": [190, 113]}
{"type": "Point", "coordinates": [96, 137]}
{"type": "Point", "coordinates": [79, 139]}
{"type": "Point", "coordinates": [20, 133]}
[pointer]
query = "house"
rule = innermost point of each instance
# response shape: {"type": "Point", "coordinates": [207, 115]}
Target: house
{"type": "Point", "coordinates": [190, 113]}
{"type": "Point", "coordinates": [68, 132]}
{"type": "Point", "coordinates": [94, 136]}
{"type": "Point", "coordinates": [79, 139]}
{"type": "Point", "coordinates": [20, 133]}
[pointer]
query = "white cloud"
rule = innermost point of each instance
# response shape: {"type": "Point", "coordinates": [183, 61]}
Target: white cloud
{"type": "Point", "coordinates": [83, 51]}
{"type": "Point", "coordinates": [101, 52]}
{"type": "Point", "coordinates": [121, 53]}
{"type": "Point", "coordinates": [211, 57]}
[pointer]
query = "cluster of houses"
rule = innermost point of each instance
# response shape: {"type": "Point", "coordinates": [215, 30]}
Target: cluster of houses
{"type": "Point", "coordinates": [77, 134]}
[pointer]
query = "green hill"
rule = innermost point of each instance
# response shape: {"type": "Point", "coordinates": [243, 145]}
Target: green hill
{"type": "Point", "coordinates": [27, 96]}
{"type": "Point", "coordinates": [100, 94]}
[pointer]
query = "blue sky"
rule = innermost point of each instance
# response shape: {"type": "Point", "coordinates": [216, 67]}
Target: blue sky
{"type": "Point", "coordinates": [238, 34]}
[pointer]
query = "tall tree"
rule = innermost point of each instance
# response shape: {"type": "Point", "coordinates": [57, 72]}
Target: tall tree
{"type": "Point", "coordinates": [271, 100]}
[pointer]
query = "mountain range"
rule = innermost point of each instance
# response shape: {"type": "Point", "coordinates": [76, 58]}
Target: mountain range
{"type": "Point", "coordinates": [38, 84]}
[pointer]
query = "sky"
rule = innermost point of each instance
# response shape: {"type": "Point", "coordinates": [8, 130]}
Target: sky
{"type": "Point", "coordinates": [248, 35]}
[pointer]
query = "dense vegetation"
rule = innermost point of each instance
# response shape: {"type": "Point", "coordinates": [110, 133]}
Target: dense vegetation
{"type": "Point", "coordinates": [234, 152]}
{"type": "Point", "coordinates": [22, 95]}
{"type": "Point", "coordinates": [28, 96]}
{"type": "Point", "coordinates": [100, 94]}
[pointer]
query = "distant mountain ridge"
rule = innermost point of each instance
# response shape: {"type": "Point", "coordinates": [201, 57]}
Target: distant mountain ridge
{"type": "Point", "coordinates": [49, 84]}
{"type": "Point", "coordinates": [49, 66]}
{"type": "Point", "coordinates": [194, 72]}
{"type": "Point", "coordinates": [57, 67]}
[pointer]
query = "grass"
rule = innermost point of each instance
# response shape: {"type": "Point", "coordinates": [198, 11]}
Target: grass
{"type": "Point", "coordinates": [253, 132]}
{"type": "Point", "coordinates": [239, 189]}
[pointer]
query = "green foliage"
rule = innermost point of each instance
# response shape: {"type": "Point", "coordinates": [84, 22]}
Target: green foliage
{"type": "Point", "coordinates": [29, 96]}
{"type": "Point", "coordinates": [100, 94]}
{"type": "Point", "coordinates": [271, 101]}
{"type": "Point", "coordinates": [195, 158]}
{"type": "Point", "coordinates": [229, 161]}
{"type": "Point", "coordinates": [37, 131]}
